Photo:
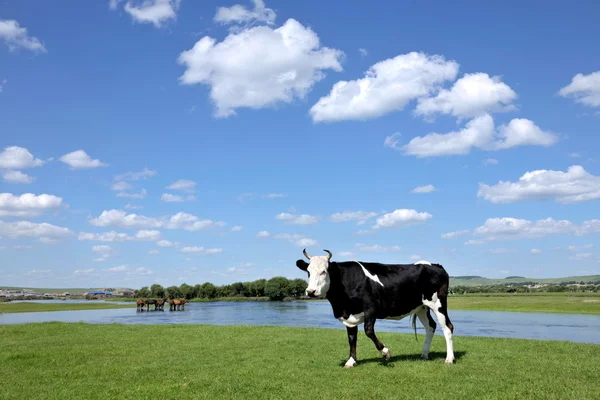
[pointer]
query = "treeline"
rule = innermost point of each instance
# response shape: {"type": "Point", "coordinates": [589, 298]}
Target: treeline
{"type": "Point", "coordinates": [571, 286]}
{"type": "Point", "coordinates": [276, 288]}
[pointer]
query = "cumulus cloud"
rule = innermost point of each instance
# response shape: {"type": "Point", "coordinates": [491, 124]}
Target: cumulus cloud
{"type": "Point", "coordinates": [16, 177]}
{"type": "Point", "coordinates": [239, 14]}
{"type": "Point", "coordinates": [470, 96]}
{"type": "Point", "coordinates": [143, 235]}
{"type": "Point", "coordinates": [79, 159]}
{"type": "Point", "coordinates": [536, 251]}
{"type": "Point", "coordinates": [39, 272]}
{"type": "Point", "coordinates": [573, 186]}
{"type": "Point", "coordinates": [120, 186]}
{"type": "Point", "coordinates": [376, 248]}
{"type": "Point", "coordinates": [401, 217]}
{"type": "Point", "coordinates": [236, 228]}
{"type": "Point", "coordinates": [579, 248]}
{"type": "Point", "coordinates": [263, 234]}
{"type": "Point", "coordinates": [15, 157]}
{"type": "Point", "coordinates": [584, 89]}
{"type": "Point", "coordinates": [118, 218]}
{"type": "Point", "coordinates": [119, 268]}
{"type": "Point", "coordinates": [498, 229]}
{"type": "Point", "coordinates": [136, 176]}
{"type": "Point", "coordinates": [480, 133]}
{"type": "Point", "coordinates": [182, 184]}
{"type": "Point", "coordinates": [297, 219]}
{"type": "Point", "coordinates": [140, 195]}
{"type": "Point", "coordinates": [200, 250]}
{"type": "Point", "coordinates": [387, 86]}
{"type": "Point", "coordinates": [259, 67]}
{"type": "Point", "coordinates": [360, 216]}
{"type": "Point", "coordinates": [165, 243]}
{"type": "Point", "coordinates": [46, 233]}
{"type": "Point", "coordinates": [15, 36]}
{"type": "Point", "coordinates": [297, 239]}
{"type": "Point", "coordinates": [581, 256]}
{"type": "Point", "coordinates": [27, 205]}
{"type": "Point", "coordinates": [490, 161]}
{"type": "Point", "coordinates": [155, 12]}
{"type": "Point", "coordinates": [171, 198]}
{"type": "Point", "coordinates": [424, 189]}
{"type": "Point", "coordinates": [147, 235]}
{"type": "Point", "coordinates": [345, 254]}
{"type": "Point", "coordinates": [140, 271]}
{"type": "Point", "coordinates": [452, 235]}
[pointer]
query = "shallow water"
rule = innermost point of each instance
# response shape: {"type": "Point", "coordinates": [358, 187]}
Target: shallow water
{"type": "Point", "coordinates": [544, 326]}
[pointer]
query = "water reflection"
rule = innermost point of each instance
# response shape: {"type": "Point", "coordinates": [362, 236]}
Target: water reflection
{"type": "Point", "coordinates": [571, 327]}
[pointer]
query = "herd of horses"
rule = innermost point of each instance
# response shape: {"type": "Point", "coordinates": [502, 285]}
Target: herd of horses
{"type": "Point", "coordinates": [159, 304]}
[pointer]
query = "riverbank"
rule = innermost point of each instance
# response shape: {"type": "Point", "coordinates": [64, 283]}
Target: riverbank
{"type": "Point", "coordinates": [116, 361]}
{"type": "Point", "coordinates": [18, 307]}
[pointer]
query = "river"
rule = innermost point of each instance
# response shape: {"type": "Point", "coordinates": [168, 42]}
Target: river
{"type": "Point", "coordinates": [541, 326]}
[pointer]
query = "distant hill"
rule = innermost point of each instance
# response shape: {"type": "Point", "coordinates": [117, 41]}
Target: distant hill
{"type": "Point", "coordinates": [58, 290]}
{"type": "Point", "coordinates": [481, 281]}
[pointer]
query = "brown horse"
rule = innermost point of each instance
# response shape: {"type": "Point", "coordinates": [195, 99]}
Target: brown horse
{"type": "Point", "coordinates": [177, 304]}
{"type": "Point", "coordinates": [160, 304]}
{"type": "Point", "coordinates": [140, 304]}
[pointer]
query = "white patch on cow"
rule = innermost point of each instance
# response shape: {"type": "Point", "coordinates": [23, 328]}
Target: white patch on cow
{"type": "Point", "coordinates": [369, 275]}
{"type": "Point", "coordinates": [429, 331]}
{"type": "Point", "coordinates": [423, 262]}
{"type": "Point", "coordinates": [386, 353]}
{"type": "Point", "coordinates": [400, 317]}
{"type": "Point", "coordinates": [350, 363]}
{"type": "Point", "coordinates": [353, 320]}
{"type": "Point", "coordinates": [434, 304]}
{"type": "Point", "coordinates": [318, 276]}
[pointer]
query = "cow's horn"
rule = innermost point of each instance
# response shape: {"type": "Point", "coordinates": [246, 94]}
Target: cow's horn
{"type": "Point", "coordinates": [328, 252]}
{"type": "Point", "coordinates": [306, 254]}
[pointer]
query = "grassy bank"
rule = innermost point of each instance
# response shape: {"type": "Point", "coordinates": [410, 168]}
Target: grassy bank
{"type": "Point", "coordinates": [573, 303]}
{"type": "Point", "coordinates": [74, 361]}
{"type": "Point", "coordinates": [38, 307]}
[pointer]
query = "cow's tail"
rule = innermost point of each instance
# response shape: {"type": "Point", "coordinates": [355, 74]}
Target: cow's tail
{"type": "Point", "coordinates": [414, 324]}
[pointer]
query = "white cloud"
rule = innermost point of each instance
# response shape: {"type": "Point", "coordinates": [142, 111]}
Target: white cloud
{"type": "Point", "coordinates": [16, 36]}
{"type": "Point", "coordinates": [153, 252]}
{"type": "Point", "coordinates": [15, 157]}
{"type": "Point", "coordinates": [263, 234]}
{"type": "Point", "coordinates": [501, 251]}
{"type": "Point", "coordinates": [424, 189]}
{"type": "Point", "coordinates": [414, 257]}
{"type": "Point", "coordinates": [302, 219]}
{"type": "Point", "coordinates": [133, 207]}
{"type": "Point", "coordinates": [140, 271]}
{"type": "Point", "coordinates": [375, 248]}
{"type": "Point", "coordinates": [481, 133]}
{"type": "Point", "coordinates": [452, 235]}
{"type": "Point", "coordinates": [363, 52]}
{"type": "Point", "coordinates": [239, 14]}
{"type": "Point", "coordinates": [102, 249]}
{"type": "Point", "coordinates": [274, 195]}
{"type": "Point", "coordinates": [111, 236]}
{"type": "Point", "coordinates": [387, 86]}
{"type": "Point", "coordinates": [345, 254]}
{"type": "Point", "coordinates": [120, 186]}
{"type": "Point", "coordinates": [27, 205]}
{"type": "Point", "coordinates": [360, 216]}
{"type": "Point", "coordinates": [136, 176]}
{"type": "Point", "coordinates": [401, 217]}
{"type": "Point", "coordinates": [84, 271]}
{"type": "Point", "coordinates": [297, 239]}
{"type": "Point", "coordinates": [585, 89]}
{"type": "Point", "coordinates": [147, 235]}
{"type": "Point", "coordinates": [16, 177]}
{"type": "Point", "coordinates": [165, 243]}
{"type": "Point", "coordinates": [573, 186]}
{"type": "Point", "coordinates": [490, 161]}
{"type": "Point", "coordinates": [190, 222]}
{"type": "Point", "coordinates": [79, 159]}
{"type": "Point", "coordinates": [200, 249]}
{"type": "Point", "coordinates": [392, 141]}
{"type": "Point", "coordinates": [536, 251]}
{"type": "Point", "coordinates": [120, 268]}
{"type": "Point", "coordinates": [575, 155]}
{"type": "Point", "coordinates": [142, 194]}
{"type": "Point", "coordinates": [16, 247]}
{"type": "Point", "coordinates": [171, 198]}
{"type": "Point", "coordinates": [2, 84]}
{"type": "Point", "coordinates": [119, 218]}
{"type": "Point", "coordinates": [579, 248]}
{"type": "Point", "coordinates": [155, 12]}
{"type": "Point", "coordinates": [39, 272]}
{"type": "Point", "coordinates": [581, 256]}
{"type": "Point", "coordinates": [497, 229]}
{"type": "Point", "coordinates": [182, 184]}
{"type": "Point", "coordinates": [470, 96]}
{"type": "Point", "coordinates": [236, 228]}
{"type": "Point", "coordinates": [259, 67]}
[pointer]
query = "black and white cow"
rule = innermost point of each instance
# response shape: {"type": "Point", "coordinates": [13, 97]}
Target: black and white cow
{"type": "Point", "coordinates": [365, 291]}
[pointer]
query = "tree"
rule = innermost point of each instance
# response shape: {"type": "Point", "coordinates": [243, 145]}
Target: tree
{"type": "Point", "coordinates": [173, 292]}
{"type": "Point", "coordinates": [209, 291]}
{"type": "Point", "coordinates": [277, 288]}
{"type": "Point", "coordinates": [186, 290]}
{"type": "Point", "coordinates": [157, 290]}
{"type": "Point", "coordinates": [297, 287]}
{"type": "Point", "coordinates": [143, 292]}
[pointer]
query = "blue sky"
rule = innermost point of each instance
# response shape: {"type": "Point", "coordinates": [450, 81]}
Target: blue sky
{"type": "Point", "coordinates": [178, 141]}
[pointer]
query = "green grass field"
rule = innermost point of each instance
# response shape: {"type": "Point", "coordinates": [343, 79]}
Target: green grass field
{"type": "Point", "coordinates": [38, 307]}
{"type": "Point", "coordinates": [80, 361]}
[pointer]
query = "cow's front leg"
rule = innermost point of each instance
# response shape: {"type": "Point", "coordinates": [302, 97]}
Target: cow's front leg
{"type": "Point", "coordinates": [352, 335]}
{"type": "Point", "coordinates": [370, 332]}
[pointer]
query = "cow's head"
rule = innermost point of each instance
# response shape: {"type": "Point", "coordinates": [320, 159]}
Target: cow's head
{"type": "Point", "coordinates": [318, 273]}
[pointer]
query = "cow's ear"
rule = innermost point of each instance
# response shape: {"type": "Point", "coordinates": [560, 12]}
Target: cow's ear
{"type": "Point", "coordinates": [302, 265]}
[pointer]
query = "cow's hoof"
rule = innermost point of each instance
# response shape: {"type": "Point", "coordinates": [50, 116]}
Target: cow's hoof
{"type": "Point", "coordinates": [386, 353]}
{"type": "Point", "coordinates": [449, 362]}
{"type": "Point", "coordinates": [350, 363]}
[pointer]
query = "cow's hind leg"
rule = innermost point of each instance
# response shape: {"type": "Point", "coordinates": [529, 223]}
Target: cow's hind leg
{"type": "Point", "coordinates": [425, 317]}
{"type": "Point", "coordinates": [352, 335]}
{"type": "Point", "coordinates": [370, 332]}
{"type": "Point", "coordinates": [439, 305]}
